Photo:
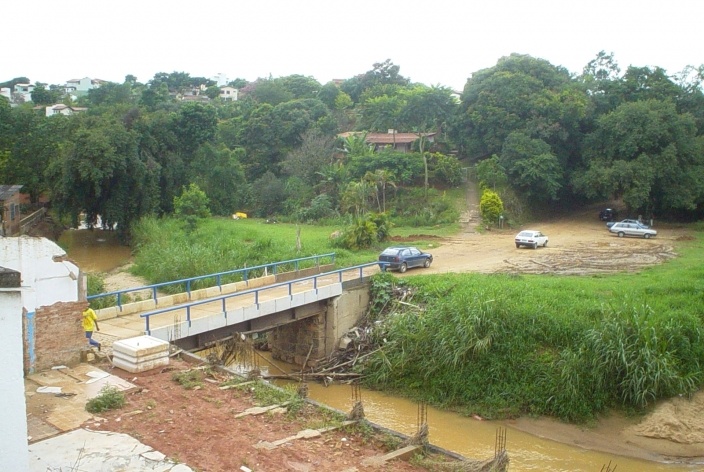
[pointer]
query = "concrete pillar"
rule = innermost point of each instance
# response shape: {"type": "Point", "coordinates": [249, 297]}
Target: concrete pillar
{"type": "Point", "coordinates": [13, 414]}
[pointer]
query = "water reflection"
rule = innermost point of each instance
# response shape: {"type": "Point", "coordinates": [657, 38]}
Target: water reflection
{"type": "Point", "coordinates": [94, 250]}
{"type": "Point", "coordinates": [475, 439]}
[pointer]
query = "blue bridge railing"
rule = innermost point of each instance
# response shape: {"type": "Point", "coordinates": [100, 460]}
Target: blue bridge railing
{"type": "Point", "coordinates": [256, 291]}
{"type": "Point", "coordinates": [273, 268]}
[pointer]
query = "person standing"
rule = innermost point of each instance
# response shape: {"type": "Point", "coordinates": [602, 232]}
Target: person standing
{"type": "Point", "coordinates": [90, 324]}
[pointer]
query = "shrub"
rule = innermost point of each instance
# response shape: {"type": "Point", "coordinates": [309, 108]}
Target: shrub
{"type": "Point", "coordinates": [447, 169]}
{"type": "Point", "coordinates": [110, 398]}
{"type": "Point", "coordinates": [490, 206]}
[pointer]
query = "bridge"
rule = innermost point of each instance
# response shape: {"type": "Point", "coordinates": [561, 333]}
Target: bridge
{"type": "Point", "coordinates": [306, 304]}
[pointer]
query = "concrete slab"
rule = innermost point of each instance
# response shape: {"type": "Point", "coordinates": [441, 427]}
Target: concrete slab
{"type": "Point", "coordinates": [66, 411]}
{"type": "Point", "coordinates": [98, 451]}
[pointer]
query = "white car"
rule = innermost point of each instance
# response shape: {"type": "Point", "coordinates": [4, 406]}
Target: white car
{"type": "Point", "coordinates": [531, 238]}
{"type": "Point", "coordinates": [632, 229]}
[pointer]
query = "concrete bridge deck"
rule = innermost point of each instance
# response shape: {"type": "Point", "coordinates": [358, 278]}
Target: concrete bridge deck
{"type": "Point", "coordinates": [217, 307]}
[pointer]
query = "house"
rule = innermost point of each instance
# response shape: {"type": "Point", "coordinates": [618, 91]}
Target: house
{"type": "Point", "coordinates": [220, 79]}
{"type": "Point", "coordinates": [82, 85]}
{"type": "Point", "coordinates": [401, 142]}
{"type": "Point", "coordinates": [23, 92]}
{"type": "Point", "coordinates": [61, 109]}
{"type": "Point", "coordinates": [228, 93]}
{"type": "Point", "coordinates": [10, 214]}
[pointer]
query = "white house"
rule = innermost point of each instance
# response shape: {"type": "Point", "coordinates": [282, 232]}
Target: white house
{"type": "Point", "coordinates": [82, 85]}
{"type": "Point", "coordinates": [220, 79]}
{"type": "Point", "coordinates": [24, 91]}
{"type": "Point", "coordinates": [61, 109]}
{"type": "Point", "coordinates": [228, 93]}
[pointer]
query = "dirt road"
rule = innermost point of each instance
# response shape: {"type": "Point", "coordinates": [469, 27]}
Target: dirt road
{"type": "Point", "coordinates": [578, 245]}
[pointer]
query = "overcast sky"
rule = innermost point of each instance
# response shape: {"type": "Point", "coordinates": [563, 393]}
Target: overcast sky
{"type": "Point", "coordinates": [440, 42]}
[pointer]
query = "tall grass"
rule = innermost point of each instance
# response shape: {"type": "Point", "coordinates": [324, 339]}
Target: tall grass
{"type": "Point", "coordinates": [501, 345]}
{"type": "Point", "coordinates": [165, 252]}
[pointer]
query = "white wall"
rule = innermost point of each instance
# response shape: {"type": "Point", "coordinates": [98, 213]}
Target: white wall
{"type": "Point", "coordinates": [13, 416]}
{"type": "Point", "coordinates": [48, 279]}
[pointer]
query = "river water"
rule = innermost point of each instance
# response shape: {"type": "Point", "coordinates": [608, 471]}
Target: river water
{"type": "Point", "coordinates": [100, 251]}
{"type": "Point", "coordinates": [94, 250]}
{"type": "Point", "coordinates": [472, 438]}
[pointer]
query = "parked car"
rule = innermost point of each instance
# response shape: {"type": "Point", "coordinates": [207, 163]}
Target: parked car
{"type": "Point", "coordinates": [632, 229]}
{"type": "Point", "coordinates": [608, 214]}
{"type": "Point", "coordinates": [637, 222]}
{"type": "Point", "coordinates": [531, 238]}
{"type": "Point", "coordinates": [401, 258]}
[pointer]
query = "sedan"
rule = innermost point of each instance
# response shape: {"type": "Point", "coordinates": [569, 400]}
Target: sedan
{"type": "Point", "coordinates": [637, 222]}
{"type": "Point", "coordinates": [632, 229]}
{"type": "Point", "coordinates": [401, 258]}
{"type": "Point", "coordinates": [531, 238]}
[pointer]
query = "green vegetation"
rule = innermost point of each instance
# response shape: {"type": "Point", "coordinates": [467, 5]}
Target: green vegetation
{"type": "Point", "coordinates": [165, 251]}
{"type": "Point", "coordinates": [189, 379]}
{"type": "Point", "coordinates": [296, 150]}
{"type": "Point", "coordinates": [109, 398]}
{"type": "Point", "coordinates": [502, 345]}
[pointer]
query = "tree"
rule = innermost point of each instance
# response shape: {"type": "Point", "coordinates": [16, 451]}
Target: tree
{"type": "Point", "coordinates": [212, 92]}
{"type": "Point", "coordinates": [315, 152]}
{"type": "Point", "coordinates": [191, 206]}
{"type": "Point", "coordinates": [646, 153]}
{"type": "Point", "coordinates": [42, 96]}
{"type": "Point", "coordinates": [218, 171]}
{"type": "Point", "coordinates": [193, 125]}
{"type": "Point", "coordinates": [382, 73]}
{"type": "Point", "coordinates": [269, 193]}
{"type": "Point", "coordinates": [100, 172]}
{"type": "Point", "coordinates": [531, 166]}
{"type": "Point", "coordinates": [380, 179]}
{"type": "Point", "coordinates": [491, 173]}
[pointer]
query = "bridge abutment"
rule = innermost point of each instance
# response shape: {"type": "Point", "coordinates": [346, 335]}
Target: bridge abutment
{"type": "Point", "coordinates": [315, 336]}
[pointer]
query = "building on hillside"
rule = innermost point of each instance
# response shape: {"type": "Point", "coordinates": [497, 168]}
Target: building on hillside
{"type": "Point", "coordinates": [220, 79]}
{"type": "Point", "coordinates": [401, 142]}
{"type": "Point", "coordinates": [82, 86]}
{"type": "Point", "coordinates": [10, 214]}
{"type": "Point", "coordinates": [228, 93]}
{"type": "Point", "coordinates": [22, 93]}
{"type": "Point", "coordinates": [61, 109]}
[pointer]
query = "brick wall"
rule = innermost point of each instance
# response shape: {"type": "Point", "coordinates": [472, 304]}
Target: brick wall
{"type": "Point", "coordinates": [58, 336]}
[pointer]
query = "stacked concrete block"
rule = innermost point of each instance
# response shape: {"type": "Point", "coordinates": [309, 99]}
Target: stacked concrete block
{"type": "Point", "coordinates": [140, 354]}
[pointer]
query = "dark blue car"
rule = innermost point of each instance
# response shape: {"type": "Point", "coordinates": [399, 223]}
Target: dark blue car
{"type": "Point", "coordinates": [401, 258]}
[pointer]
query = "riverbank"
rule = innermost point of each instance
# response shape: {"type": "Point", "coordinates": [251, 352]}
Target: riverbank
{"type": "Point", "coordinates": [671, 432]}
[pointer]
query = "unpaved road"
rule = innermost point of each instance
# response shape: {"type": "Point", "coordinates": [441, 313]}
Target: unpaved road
{"type": "Point", "coordinates": [578, 245]}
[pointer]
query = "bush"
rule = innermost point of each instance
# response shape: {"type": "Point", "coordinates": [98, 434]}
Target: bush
{"type": "Point", "coordinates": [447, 169]}
{"type": "Point", "coordinates": [490, 206]}
{"type": "Point", "coordinates": [110, 398]}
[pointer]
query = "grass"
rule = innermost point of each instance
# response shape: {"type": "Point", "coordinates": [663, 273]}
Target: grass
{"type": "Point", "coordinates": [502, 346]}
{"type": "Point", "coordinates": [109, 398]}
{"type": "Point", "coordinates": [189, 379]}
{"type": "Point", "coordinates": [164, 252]}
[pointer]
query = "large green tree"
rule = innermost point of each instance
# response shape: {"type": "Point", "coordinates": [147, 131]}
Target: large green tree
{"type": "Point", "coordinates": [646, 153]}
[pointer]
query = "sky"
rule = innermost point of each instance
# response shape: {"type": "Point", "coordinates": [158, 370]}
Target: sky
{"type": "Point", "coordinates": [440, 42]}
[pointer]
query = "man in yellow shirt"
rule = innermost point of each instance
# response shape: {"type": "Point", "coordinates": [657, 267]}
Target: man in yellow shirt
{"type": "Point", "coordinates": [90, 324]}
